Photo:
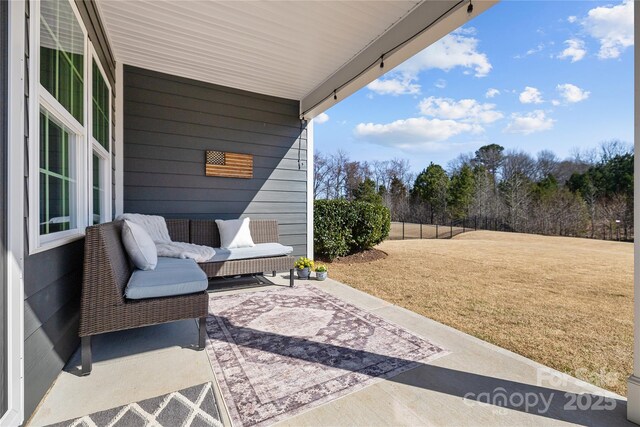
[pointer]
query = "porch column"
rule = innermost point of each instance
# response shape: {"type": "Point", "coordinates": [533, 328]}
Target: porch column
{"type": "Point", "coordinates": [633, 393]}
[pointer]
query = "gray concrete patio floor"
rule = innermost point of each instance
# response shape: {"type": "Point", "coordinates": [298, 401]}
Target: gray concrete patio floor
{"type": "Point", "coordinates": [451, 391]}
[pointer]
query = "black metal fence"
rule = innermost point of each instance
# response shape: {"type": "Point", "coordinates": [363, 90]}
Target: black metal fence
{"type": "Point", "coordinates": [401, 230]}
{"type": "Point", "coordinates": [404, 230]}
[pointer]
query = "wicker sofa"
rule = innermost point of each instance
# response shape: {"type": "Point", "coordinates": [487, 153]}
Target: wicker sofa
{"type": "Point", "coordinates": [107, 270]}
{"type": "Point", "coordinates": [103, 307]}
{"type": "Point", "coordinates": [205, 232]}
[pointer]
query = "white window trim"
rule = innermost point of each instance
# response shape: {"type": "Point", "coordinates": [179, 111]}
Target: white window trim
{"type": "Point", "coordinates": [84, 142]}
{"type": "Point", "coordinates": [97, 148]}
{"type": "Point", "coordinates": [119, 142]}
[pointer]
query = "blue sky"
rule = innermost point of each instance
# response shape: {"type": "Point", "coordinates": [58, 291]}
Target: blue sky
{"type": "Point", "coordinates": [528, 75]}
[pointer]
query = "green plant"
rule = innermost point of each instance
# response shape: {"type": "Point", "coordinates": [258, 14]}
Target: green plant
{"type": "Point", "coordinates": [303, 262]}
{"type": "Point", "coordinates": [371, 225]}
{"type": "Point", "coordinates": [342, 227]}
{"type": "Point", "coordinates": [321, 268]}
{"type": "Point", "coordinates": [332, 228]}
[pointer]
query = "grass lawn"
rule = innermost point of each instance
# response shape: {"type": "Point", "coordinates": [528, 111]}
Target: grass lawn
{"type": "Point", "coordinates": [564, 302]}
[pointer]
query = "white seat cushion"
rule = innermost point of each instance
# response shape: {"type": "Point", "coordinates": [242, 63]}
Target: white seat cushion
{"type": "Point", "coordinates": [235, 233]}
{"type": "Point", "coordinates": [172, 276]}
{"type": "Point", "coordinates": [139, 246]}
{"type": "Point", "coordinates": [260, 250]}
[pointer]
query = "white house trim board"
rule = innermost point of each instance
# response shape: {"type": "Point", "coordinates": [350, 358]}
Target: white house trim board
{"type": "Point", "coordinates": [633, 389]}
{"type": "Point", "coordinates": [310, 195]}
{"type": "Point", "coordinates": [15, 223]}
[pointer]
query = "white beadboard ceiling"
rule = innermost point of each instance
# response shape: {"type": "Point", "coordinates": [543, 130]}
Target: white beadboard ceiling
{"type": "Point", "coordinates": [279, 48]}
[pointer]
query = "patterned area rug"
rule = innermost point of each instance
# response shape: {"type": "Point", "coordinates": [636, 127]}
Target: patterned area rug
{"type": "Point", "coordinates": [193, 406]}
{"type": "Point", "coordinates": [280, 352]}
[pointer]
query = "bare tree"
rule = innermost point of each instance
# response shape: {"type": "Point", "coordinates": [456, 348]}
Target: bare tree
{"type": "Point", "coordinates": [586, 157]}
{"type": "Point", "coordinates": [517, 163]}
{"type": "Point", "coordinates": [354, 176]}
{"type": "Point", "coordinates": [516, 192]}
{"type": "Point", "coordinates": [401, 169]}
{"type": "Point", "coordinates": [613, 148]}
{"type": "Point", "coordinates": [320, 174]}
{"type": "Point", "coordinates": [546, 164]}
{"type": "Point", "coordinates": [337, 175]}
{"type": "Point", "coordinates": [454, 166]}
{"type": "Point", "coordinates": [614, 215]}
{"type": "Point", "coordinates": [486, 202]}
{"type": "Point", "coordinates": [568, 167]}
{"type": "Point", "coordinates": [379, 173]}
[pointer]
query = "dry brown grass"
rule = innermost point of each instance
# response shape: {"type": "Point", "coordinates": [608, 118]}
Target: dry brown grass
{"type": "Point", "coordinates": [564, 302]}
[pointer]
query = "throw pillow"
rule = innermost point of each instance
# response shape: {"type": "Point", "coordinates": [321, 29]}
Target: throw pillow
{"type": "Point", "coordinates": [235, 233]}
{"type": "Point", "coordinates": [139, 246]}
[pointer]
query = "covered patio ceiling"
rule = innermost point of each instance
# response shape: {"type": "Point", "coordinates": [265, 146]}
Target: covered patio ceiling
{"type": "Point", "coordinates": [302, 50]}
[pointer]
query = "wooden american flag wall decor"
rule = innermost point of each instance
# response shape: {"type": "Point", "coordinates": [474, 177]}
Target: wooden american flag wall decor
{"type": "Point", "coordinates": [229, 165]}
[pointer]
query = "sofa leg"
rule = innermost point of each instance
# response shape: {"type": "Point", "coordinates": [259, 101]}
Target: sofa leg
{"type": "Point", "coordinates": [291, 278]}
{"type": "Point", "coordinates": [85, 351]}
{"type": "Point", "coordinates": [202, 333]}
{"type": "Point", "coordinates": [274, 273]}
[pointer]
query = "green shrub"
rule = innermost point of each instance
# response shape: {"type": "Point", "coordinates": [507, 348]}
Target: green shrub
{"type": "Point", "coordinates": [342, 227]}
{"type": "Point", "coordinates": [371, 226]}
{"type": "Point", "coordinates": [332, 228]}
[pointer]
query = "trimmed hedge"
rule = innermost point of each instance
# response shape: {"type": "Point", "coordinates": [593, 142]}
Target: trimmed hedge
{"type": "Point", "coordinates": [342, 227]}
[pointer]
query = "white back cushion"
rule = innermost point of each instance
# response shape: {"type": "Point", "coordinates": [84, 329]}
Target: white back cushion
{"type": "Point", "coordinates": [235, 233]}
{"type": "Point", "coordinates": [139, 246]}
{"type": "Point", "coordinates": [154, 225]}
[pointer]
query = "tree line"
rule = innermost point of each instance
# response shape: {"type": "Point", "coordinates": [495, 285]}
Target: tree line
{"type": "Point", "coordinates": [589, 194]}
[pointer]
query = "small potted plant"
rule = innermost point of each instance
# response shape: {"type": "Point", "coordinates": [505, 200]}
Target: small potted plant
{"type": "Point", "coordinates": [303, 267]}
{"type": "Point", "coordinates": [321, 272]}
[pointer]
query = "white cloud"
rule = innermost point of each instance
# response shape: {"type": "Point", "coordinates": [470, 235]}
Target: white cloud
{"type": "Point", "coordinates": [321, 118]}
{"type": "Point", "coordinates": [530, 95]}
{"type": "Point", "coordinates": [612, 26]}
{"type": "Point", "coordinates": [457, 49]}
{"type": "Point", "coordinates": [394, 86]}
{"type": "Point", "coordinates": [492, 92]}
{"type": "Point", "coordinates": [555, 102]}
{"type": "Point", "coordinates": [572, 93]}
{"type": "Point", "coordinates": [529, 123]}
{"type": "Point", "coordinates": [538, 48]}
{"type": "Point", "coordinates": [572, 19]}
{"type": "Point", "coordinates": [440, 84]}
{"type": "Point", "coordinates": [419, 132]}
{"type": "Point", "coordinates": [467, 31]}
{"type": "Point", "coordinates": [574, 50]}
{"type": "Point", "coordinates": [464, 110]}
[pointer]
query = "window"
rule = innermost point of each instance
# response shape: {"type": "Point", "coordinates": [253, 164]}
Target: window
{"type": "Point", "coordinates": [57, 178]}
{"type": "Point", "coordinates": [62, 44]}
{"type": "Point", "coordinates": [100, 146]}
{"type": "Point", "coordinates": [98, 192]}
{"type": "Point", "coordinates": [70, 161]}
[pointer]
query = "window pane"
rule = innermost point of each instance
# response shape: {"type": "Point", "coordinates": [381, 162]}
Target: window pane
{"type": "Point", "coordinates": [100, 108]}
{"type": "Point", "coordinates": [62, 55]}
{"type": "Point", "coordinates": [98, 189]}
{"type": "Point", "coordinates": [57, 180]}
